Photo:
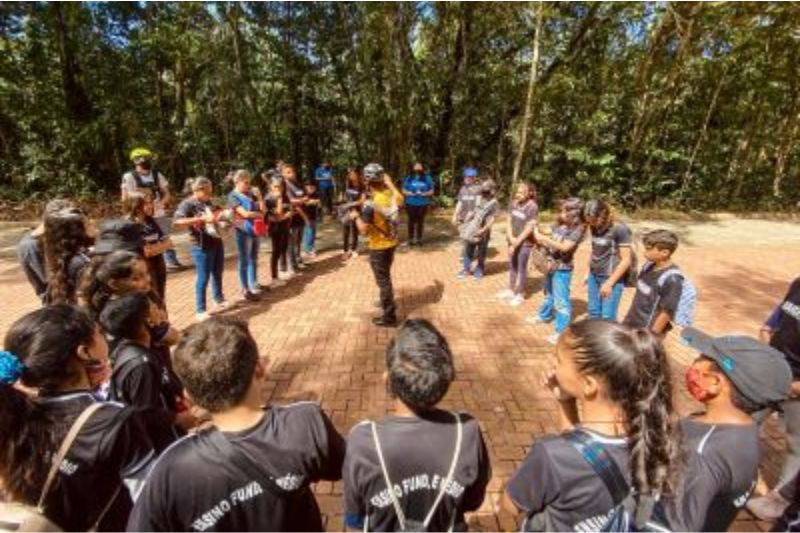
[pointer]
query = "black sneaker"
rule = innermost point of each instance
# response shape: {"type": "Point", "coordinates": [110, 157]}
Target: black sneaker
{"type": "Point", "coordinates": [249, 296]}
{"type": "Point", "coordinates": [385, 322]}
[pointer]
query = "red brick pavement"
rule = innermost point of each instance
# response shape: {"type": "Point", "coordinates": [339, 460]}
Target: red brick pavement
{"type": "Point", "coordinates": [317, 334]}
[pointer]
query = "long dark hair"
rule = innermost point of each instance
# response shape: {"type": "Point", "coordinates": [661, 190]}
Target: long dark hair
{"type": "Point", "coordinates": [44, 341]}
{"type": "Point", "coordinates": [601, 210]}
{"type": "Point", "coordinates": [634, 366]}
{"type": "Point", "coordinates": [574, 212]}
{"type": "Point", "coordinates": [65, 236]}
{"type": "Point", "coordinates": [96, 289]}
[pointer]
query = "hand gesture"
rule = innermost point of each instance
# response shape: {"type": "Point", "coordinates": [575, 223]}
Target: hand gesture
{"type": "Point", "coordinates": [605, 290]}
{"type": "Point", "coordinates": [550, 382]}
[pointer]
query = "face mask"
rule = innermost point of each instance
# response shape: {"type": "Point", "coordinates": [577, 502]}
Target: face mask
{"type": "Point", "coordinates": [146, 166]}
{"type": "Point", "coordinates": [159, 331]}
{"type": "Point", "coordinates": [694, 384]}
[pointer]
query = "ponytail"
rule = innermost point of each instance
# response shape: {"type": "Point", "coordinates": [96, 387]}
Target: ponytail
{"type": "Point", "coordinates": [96, 286]}
{"type": "Point", "coordinates": [634, 367]}
{"type": "Point", "coordinates": [39, 349]}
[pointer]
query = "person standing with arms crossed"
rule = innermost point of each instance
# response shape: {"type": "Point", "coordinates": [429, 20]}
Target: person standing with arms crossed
{"type": "Point", "coordinates": [378, 221]}
{"type": "Point", "coordinates": [145, 176]}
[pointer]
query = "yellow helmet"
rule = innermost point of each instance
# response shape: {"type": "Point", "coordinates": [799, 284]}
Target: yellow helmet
{"type": "Point", "coordinates": [141, 153]}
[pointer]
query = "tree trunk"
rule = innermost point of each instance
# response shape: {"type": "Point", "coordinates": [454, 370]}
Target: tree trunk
{"type": "Point", "coordinates": [77, 101]}
{"type": "Point", "coordinates": [703, 132]}
{"type": "Point", "coordinates": [789, 130]}
{"type": "Point", "coordinates": [523, 135]}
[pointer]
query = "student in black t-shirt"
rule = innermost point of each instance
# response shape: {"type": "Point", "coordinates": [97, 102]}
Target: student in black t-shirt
{"type": "Point", "coordinates": [610, 260]}
{"type": "Point", "coordinates": [138, 207]}
{"type": "Point", "coordinates": [297, 198]}
{"type": "Point", "coordinates": [521, 223]}
{"type": "Point", "coordinates": [30, 250]}
{"type": "Point", "coordinates": [253, 470]}
{"type": "Point", "coordinates": [279, 215]}
{"type": "Point", "coordinates": [62, 353]}
{"type": "Point", "coordinates": [782, 332]}
{"type": "Point", "coordinates": [561, 242]}
{"type": "Point", "coordinates": [734, 377]}
{"type": "Point", "coordinates": [612, 385]}
{"type": "Point", "coordinates": [208, 253]}
{"type": "Point", "coordinates": [138, 377]}
{"type": "Point", "coordinates": [68, 234]}
{"type": "Point", "coordinates": [435, 461]}
{"type": "Point", "coordinates": [659, 286]}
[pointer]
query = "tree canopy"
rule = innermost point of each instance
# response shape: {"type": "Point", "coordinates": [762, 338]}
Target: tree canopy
{"type": "Point", "coordinates": [653, 103]}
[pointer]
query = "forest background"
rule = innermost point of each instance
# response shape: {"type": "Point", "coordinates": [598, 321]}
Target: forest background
{"type": "Point", "coordinates": [652, 104]}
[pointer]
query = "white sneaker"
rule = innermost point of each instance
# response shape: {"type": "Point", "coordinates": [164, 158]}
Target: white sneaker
{"type": "Point", "coordinates": [768, 507]}
{"type": "Point", "coordinates": [553, 339]}
{"type": "Point", "coordinates": [285, 275]}
{"type": "Point", "coordinates": [354, 254]}
{"type": "Point", "coordinates": [534, 320]}
{"type": "Point", "coordinates": [504, 294]}
{"type": "Point", "coordinates": [200, 317]}
{"type": "Point", "coordinates": [516, 300]}
{"type": "Point", "coordinates": [277, 282]}
{"type": "Point", "coordinates": [220, 307]}
{"type": "Point", "coordinates": [256, 290]}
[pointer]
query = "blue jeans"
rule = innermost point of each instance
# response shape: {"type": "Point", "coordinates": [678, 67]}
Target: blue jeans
{"type": "Point", "coordinates": [208, 263]}
{"type": "Point", "coordinates": [310, 236]}
{"type": "Point", "coordinates": [475, 250]}
{"type": "Point", "coordinates": [248, 246]}
{"type": "Point", "coordinates": [556, 299]}
{"type": "Point", "coordinates": [603, 308]}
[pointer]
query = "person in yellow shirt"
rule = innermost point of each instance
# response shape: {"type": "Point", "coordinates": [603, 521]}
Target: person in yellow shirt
{"type": "Point", "coordinates": [378, 221]}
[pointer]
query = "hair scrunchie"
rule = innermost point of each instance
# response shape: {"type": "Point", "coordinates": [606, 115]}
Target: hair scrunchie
{"type": "Point", "coordinates": [11, 368]}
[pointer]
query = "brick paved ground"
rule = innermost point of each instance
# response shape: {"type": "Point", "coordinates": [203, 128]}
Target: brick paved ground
{"type": "Point", "coordinates": [317, 334]}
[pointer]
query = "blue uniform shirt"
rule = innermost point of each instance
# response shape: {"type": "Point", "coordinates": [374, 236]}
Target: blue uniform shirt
{"type": "Point", "coordinates": [418, 184]}
{"type": "Point", "coordinates": [324, 177]}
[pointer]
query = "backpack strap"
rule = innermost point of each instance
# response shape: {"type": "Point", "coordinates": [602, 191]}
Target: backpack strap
{"type": "Point", "coordinates": [66, 444]}
{"type": "Point", "coordinates": [601, 462]}
{"type": "Point", "coordinates": [443, 487]}
{"type": "Point", "coordinates": [125, 357]}
{"type": "Point", "coordinates": [662, 279]}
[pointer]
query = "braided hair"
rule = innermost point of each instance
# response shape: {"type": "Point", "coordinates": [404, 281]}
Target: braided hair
{"type": "Point", "coordinates": [97, 284]}
{"type": "Point", "coordinates": [65, 236]}
{"type": "Point", "coordinates": [634, 367]}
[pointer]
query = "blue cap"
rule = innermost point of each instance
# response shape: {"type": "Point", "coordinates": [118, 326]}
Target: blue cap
{"type": "Point", "coordinates": [470, 172]}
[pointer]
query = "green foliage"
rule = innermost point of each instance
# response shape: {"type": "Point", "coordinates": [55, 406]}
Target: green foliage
{"type": "Point", "coordinates": [681, 105]}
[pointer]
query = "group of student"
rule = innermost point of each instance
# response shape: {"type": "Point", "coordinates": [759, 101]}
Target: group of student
{"type": "Point", "coordinates": [147, 428]}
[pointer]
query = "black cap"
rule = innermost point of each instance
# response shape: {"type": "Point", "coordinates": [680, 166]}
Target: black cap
{"type": "Point", "coordinates": [759, 372]}
{"type": "Point", "coordinates": [119, 234]}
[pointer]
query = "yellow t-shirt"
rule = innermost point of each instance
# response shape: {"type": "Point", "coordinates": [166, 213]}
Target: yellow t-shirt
{"type": "Point", "coordinates": [379, 235]}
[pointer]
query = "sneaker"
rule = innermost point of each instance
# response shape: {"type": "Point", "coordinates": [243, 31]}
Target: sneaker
{"type": "Point", "coordinates": [277, 282]}
{"type": "Point", "coordinates": [249, 296]}
{"type": "Point", "coordinates": [384, 322]}
{"type": "Point", "coordinates": [285, 275]}
{"type": "Point", "coordinates": [257, 290]}
{"type": "Point", "coordinates": [478, 275]}
{"type": "Point", "coordinates": [220, 307]}
{"type": "Point", "coordinates": [536, 320]}
{"type": "Point", "coordinates": [312, 254]}
{"type": "Point", "coordinates": [199, 317]}
{"type": "Point", "coordinates": [504, 294]}
{"type": "Point", "coordinates": [516, 300]}
{"type": "Point", "coordinates": [463, 274]}
{"type": "Point", "coordinates": [768, 507]}
{"type": "Point", "coordinates": [353, 254]}
{"type": "Point", "coordinates": [553, 339]}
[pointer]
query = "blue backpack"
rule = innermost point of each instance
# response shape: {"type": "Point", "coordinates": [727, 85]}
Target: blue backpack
{"type": "Point", "coordinates": [684, 314]}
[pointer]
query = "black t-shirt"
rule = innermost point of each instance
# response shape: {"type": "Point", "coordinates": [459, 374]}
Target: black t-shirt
{"type": "Point", "coordinates": [271, 205]}
{"type": "Point", "coordinates": [719, 474]}
{"type": "Point", "coordinates": [112, 451]}
{"type": "Point", "coordinates": [151, 232]}
{"type": "Point", "coordinates": [652, 297]}
{"type": "Point", "coordinates": [418, 453]}
{"type": "Point", "coordinates": [786, 336]}
{"type": "Point", "coordinates": [191, 208]}
{"type": "Point", "coordinates": [555, 476]}
{"type": "Point", "coordinates": [196, 486]}
{"type": "Point", "coordinates": [312, 210]}
{"type": "Point", "coordinates": [605, 248]}
{"type": "Point", "coordinates": [522, 215]}
{"type": "Point", "coordinates": [468, 195]}
{"type": "Point", "coordinates": [563, 233]}
{"type": "Point", "coordinates": [31, 257]}
{"type": "Point", "coordinates": [295, 191]}
{"type": "Point", "coordinates": [140, 379]}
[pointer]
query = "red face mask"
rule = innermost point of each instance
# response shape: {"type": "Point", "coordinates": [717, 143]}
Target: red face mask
{"type": "Point", "coordinates": [695, 386]}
